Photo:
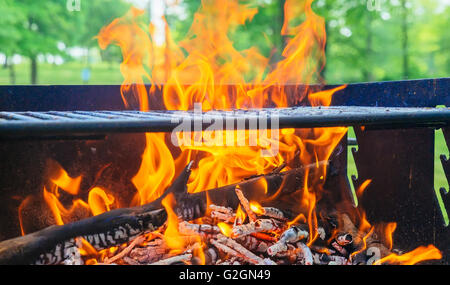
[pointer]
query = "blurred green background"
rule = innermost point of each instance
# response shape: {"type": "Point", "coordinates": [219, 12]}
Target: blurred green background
{"type": "Point", "coordinates": [42, 42]}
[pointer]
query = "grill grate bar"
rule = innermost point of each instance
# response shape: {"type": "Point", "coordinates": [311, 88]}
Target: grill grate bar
{"type": "Point", "coordinates": [74, 116]}
{"type": "Point", "coordinates": [22, 117]}
{"type": "Point", "coordinates": [54, 123]}
{"type": "Point", "coordinates": [45, 116]}
{"type": "Point", "coordinates": [133, 114]}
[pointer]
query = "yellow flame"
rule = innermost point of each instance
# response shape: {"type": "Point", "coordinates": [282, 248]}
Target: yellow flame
{"type": "Point", "coordinates": [62, 179]}
{"type": "Point", "coordinates": [240, 214]}
{"type": "Point", "coordinates": [415, 256]}
{"type": "Point", "coordinates": [172, 236]}
{"type": "Point", "coordinates": [389, 231]}
{"type": "Point", "coordinates": [256, 207]}
{"type": "Point", "coordinates": [99, 201]}
{"type": "Point", "coordinates": [225, 229]}
{"type": "Point", "coordinates": [363, 187]}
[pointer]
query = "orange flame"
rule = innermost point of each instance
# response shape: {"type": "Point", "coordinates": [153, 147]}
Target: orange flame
{"type": "Point", "coordinates": [206, 68]}
{"type": "Point", "coordinates": [225, 228]}
{"type": "Point", "coordinates": [156, 171]}
{"type": "Point", "coordinates": [300, 218]}
{"type": "Point", "coordinates": [363, 187]}
{"type": "Point", "coordinates": [61, 179]}
{"type": "Point", "coordinates": [364, 241]}
{"type": "Point", "coordinates": [415, 256]}
{"type": "Point", "coordinates": [240, 214]}
{"type": "Point", "coordinates": [172, 236]}
{"type": "Point", "coordinates": [256, 207]}
{"type": "Point", "coordinates": [87, 249]}
{"type": "Point", "coordinates": [59, 211]}
{"type": "Point", "coordinates": [204, 76]}
{"type": "Point", "coordinates": [22, 206]}
{"type": "Point", "coordinates": [388, 232]}
{"type": "Point", "coordinates": [99, 202]}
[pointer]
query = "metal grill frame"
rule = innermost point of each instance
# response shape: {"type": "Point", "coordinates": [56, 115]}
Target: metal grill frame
{"type": "Point", "coordinates": [399, 161]}
{"type": "Point", "coordinates": [54, 123]}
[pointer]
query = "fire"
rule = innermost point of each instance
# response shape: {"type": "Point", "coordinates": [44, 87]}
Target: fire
{"type": "Point", "coordinates": [415, 256]}
{"type": "Point", "coordinates": [388, 232]}
{"type": "Point", "coordinates": [300, 218]}
{"type": "Point", "coordinates": [205, 68]}
{"type": "Point", "coordinates": [323, 98]}
{"type": "Point", "coordinates": [256, 207]}
{"type": "Point", "coordinates": [87, 249]}
{"type": "Point", "coordinates": [364, 242]}
{"type": "Point", "coordinates": [172, 235]}
{"type": "Point", "coordinates": [99, 201]}
{"type": "Point", "coordinates": [64, 181]}
{"type": "Point", "coordinates": [362, 188]}
{"type": "Point", "coordinates": [59, 211]}
{"type": "Point", "coordinates": [202, 76]}
{"type": "Point", "coordinates": [175, 240]}
{"type": "Point", "coordinates": [22, 206]}
{"type": "Point", "coordinates": [240, 214]}
{"type": "Point", "coordinates": [225, 228]}
{"type": "Point", "coordinates": [156, 171]}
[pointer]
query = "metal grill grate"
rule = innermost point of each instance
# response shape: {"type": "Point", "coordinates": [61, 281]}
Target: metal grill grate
{"type": "Point", "coordinates": [56, 123]}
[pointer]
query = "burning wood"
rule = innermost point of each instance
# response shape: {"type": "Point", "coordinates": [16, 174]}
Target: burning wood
{"type": "Point", "coordinates": [271, 212]}
{"type": "Point", "coordinates": [243, 252]}
{"type": "Point", "coordinates": [152, 252]}
{"type": "Point", "coordinates": [291, 235]}
{"type": "Point", "coordinates": [204, 230]}
{"type": "Point", "coordinates": [222, 213]}
{"type": "Point", "coordinates": [265, 237]}
{"type": "Point", "coordinates": [127, 250]}
{"type": "Point", "coordinates": [261, 225]}
{"type": "Point", "coordinates": [307, 254]}
{"type": "Point", "coordinates": [259, 242]}
{"type": "Point", "coordinates": [245, 204]}
{"type": "Point", "coordinates": [254, 243]}
{"type": "Point", "coordinates": [175, 259]}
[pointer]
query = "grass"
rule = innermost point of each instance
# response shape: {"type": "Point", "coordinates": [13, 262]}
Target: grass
{"type": "Point", "coordinates": [66, 74]}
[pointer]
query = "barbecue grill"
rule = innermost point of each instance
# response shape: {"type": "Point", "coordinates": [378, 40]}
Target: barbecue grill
{"type": "Point", "coordinates": [394, 122]}
{"type": "Point", "coordinates": [54, 123]}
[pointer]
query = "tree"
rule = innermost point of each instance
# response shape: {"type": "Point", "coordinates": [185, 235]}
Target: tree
{"type": "Point", "coordinates": [33, 28]}
{"type": "Point", "coordinates": [92, 17]}
{"type": "Point", "coordinates": [404, 38]}
{"type": "Point", "coordinates": [44, 25]}
{"type": "Point", "coordinates": [9, 36]}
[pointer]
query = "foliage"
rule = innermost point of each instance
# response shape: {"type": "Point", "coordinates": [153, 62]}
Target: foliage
{"type": "Point", "coordinates": [32, 28]}
{"type": "Point", "coordinates": [406, 39]}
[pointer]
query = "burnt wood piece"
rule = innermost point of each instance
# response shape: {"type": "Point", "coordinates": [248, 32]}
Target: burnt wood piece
{"type": "Point", "coordinates": [78, 123]}
{"type": "Point", "coordinates": [121, 225]}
